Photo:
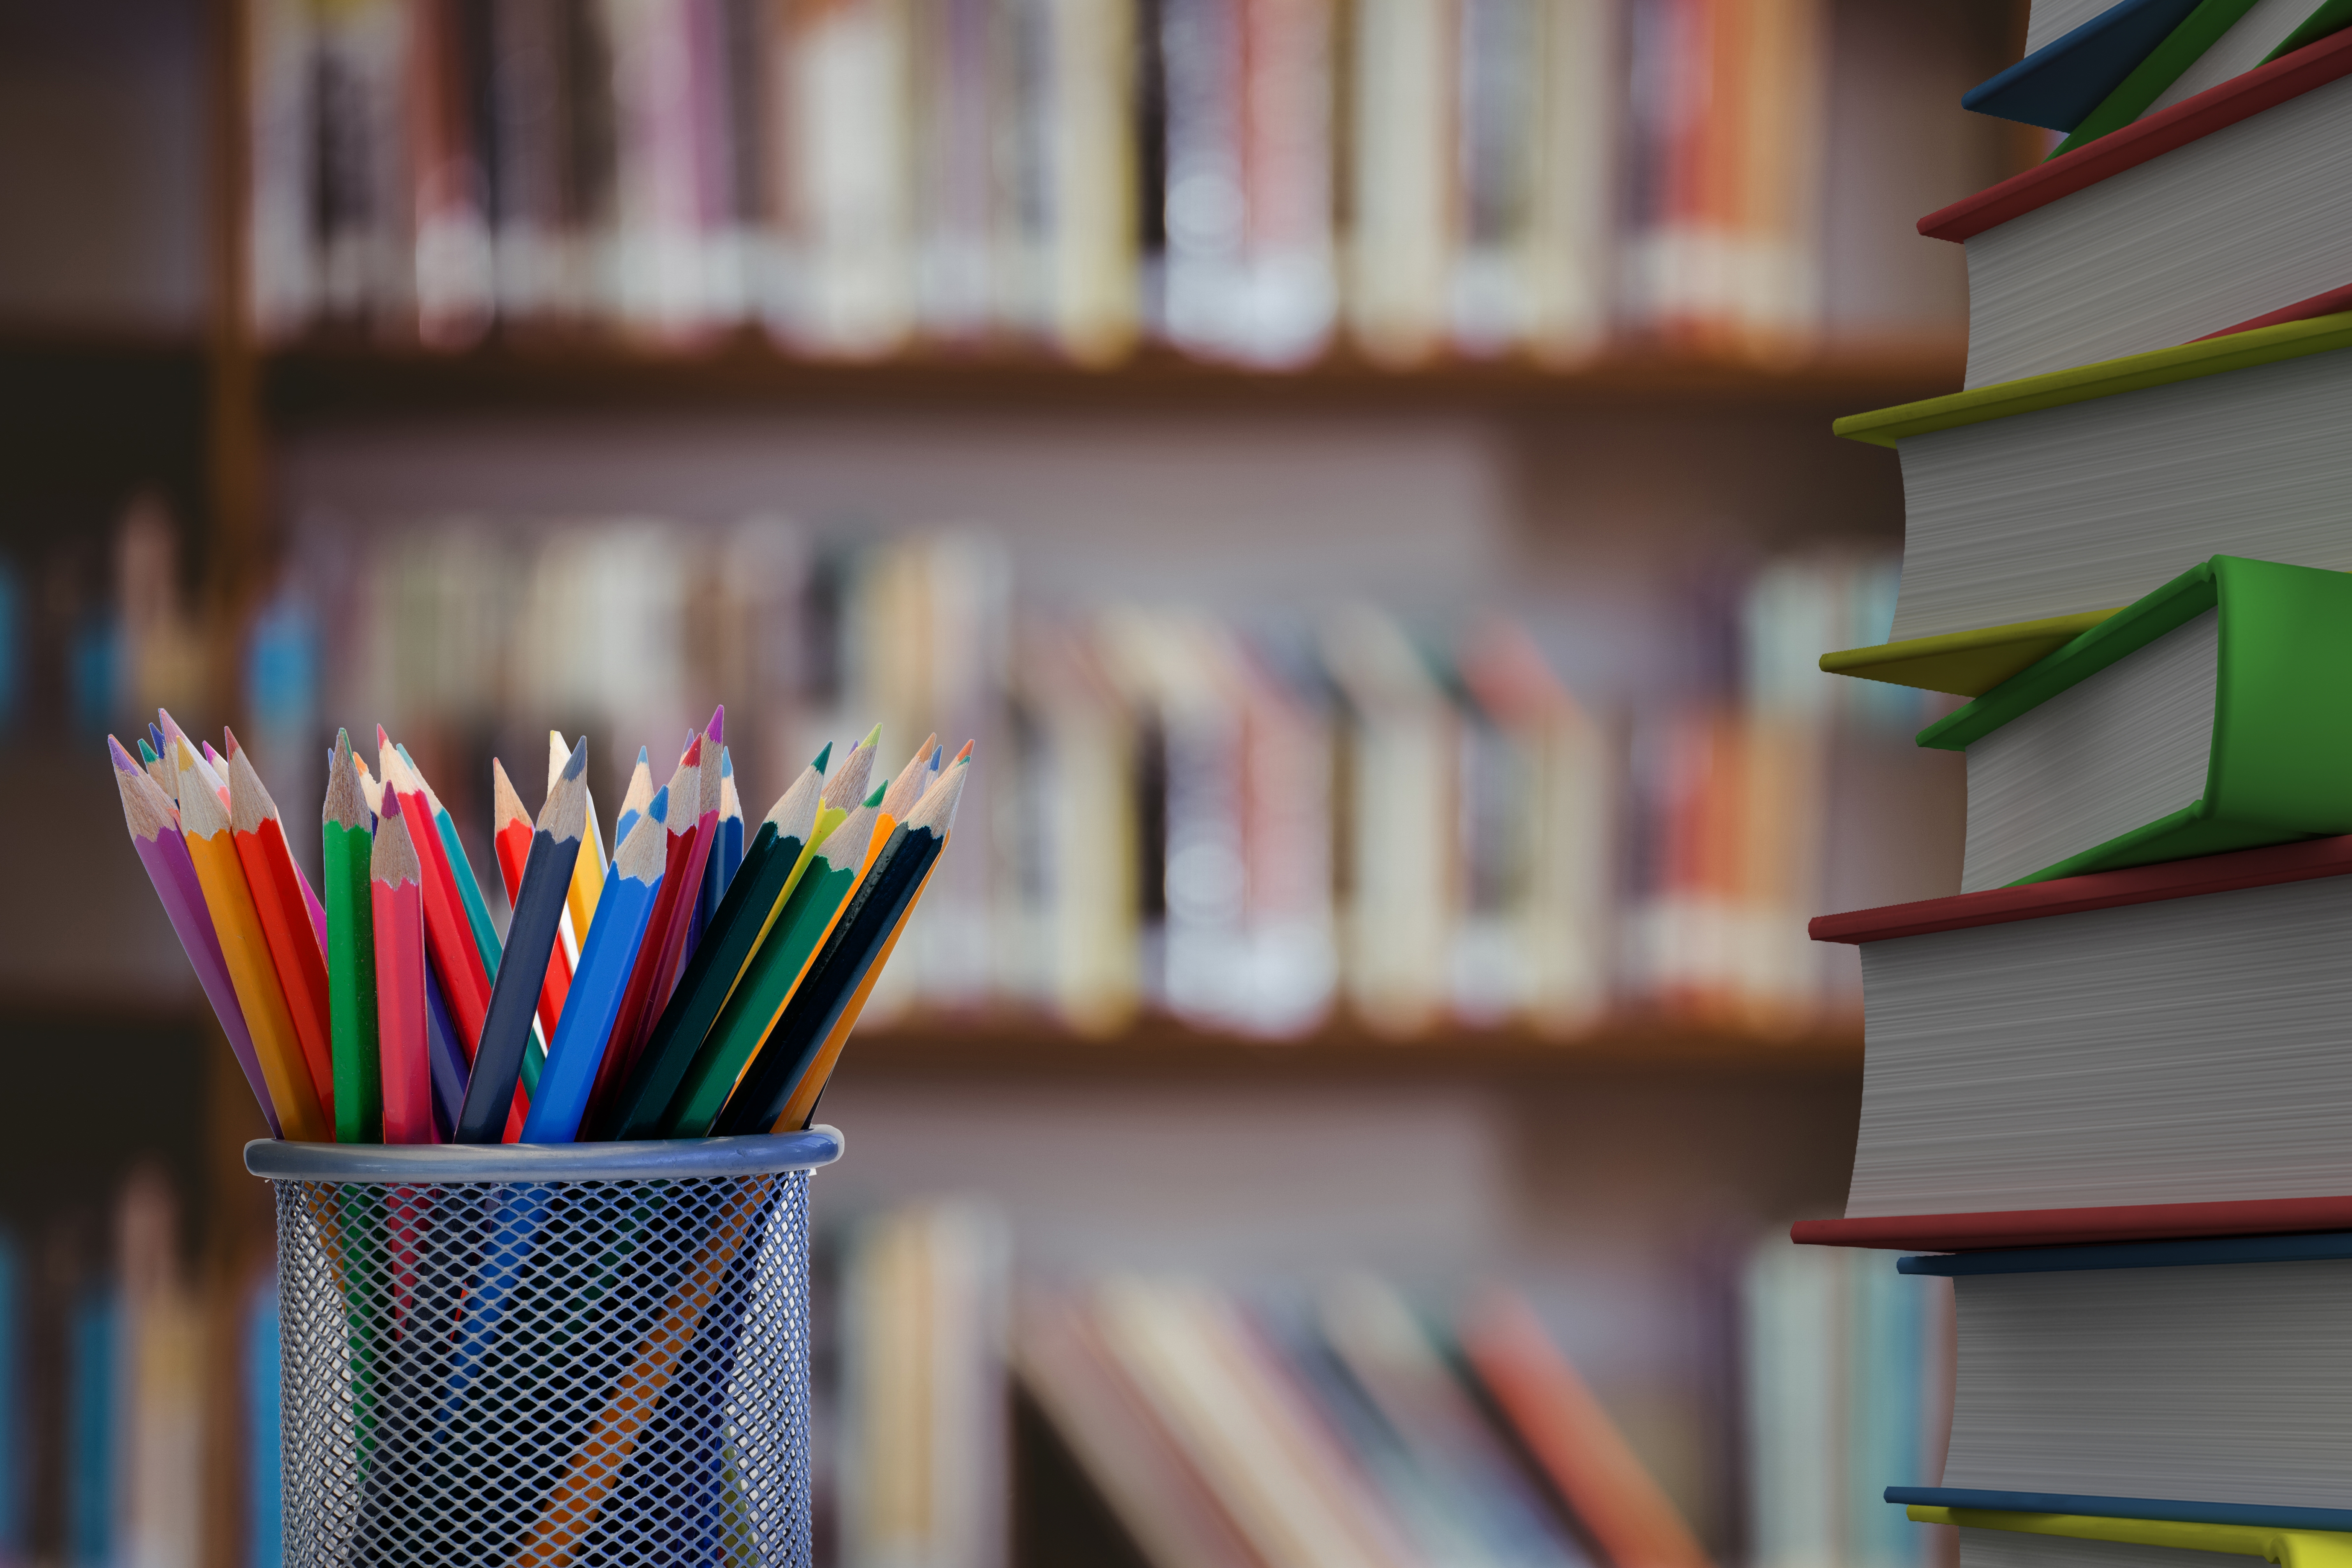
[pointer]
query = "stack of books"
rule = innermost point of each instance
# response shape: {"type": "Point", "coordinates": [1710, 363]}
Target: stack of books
{"type": "Point", "coordinates": [2108, 1083]}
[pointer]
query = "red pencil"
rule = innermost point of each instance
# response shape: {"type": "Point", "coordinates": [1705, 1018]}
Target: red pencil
{"type": "Point", "coordinates": [294, 951]}
{"type": "Point", "coordinates": [635, 1021]}
{"type": "Point", "coordinates": [396, 895]}
{"type": "Point", "coordinates": [705, 834]}
{"type": "Point", "coordinates": [512, 844]}
{"type": "Point", "coordinates": [448, 934]}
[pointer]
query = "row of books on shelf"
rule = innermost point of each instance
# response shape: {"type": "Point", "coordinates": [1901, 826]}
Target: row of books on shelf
{"type": "Point", "coordinates": [1336, 1424]}
{"type": "Point", "coordinates": [1242, 178]}
{"type": "Point", "coordinates": [1247, 821]}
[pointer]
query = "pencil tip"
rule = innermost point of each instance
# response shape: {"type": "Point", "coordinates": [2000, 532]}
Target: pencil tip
{"type": "Point", "coordinates": [934, 764]}
{"type": "Point", "coordinates": [658, 807]}
{"type": "Point", "coordinates": [965, 754]}
{"type": "Point", "coordinates": [879, 791]}
{"type": "Point", "coordinates": [822, 757]}
{"type": "Point", "coordinates": [644, 759]}
{"type": "Point", "coordinates": [147, 753]}
{"type": "Point", "coordinates": [577, 764]}
{"type": "Point", "coordinates": [717, 727]}
{"type": "Point", "coordinates": [121, 758]}
{"type": "Point", "coordinates": [726, 763]}
{"type": "Point", "coordinates": [873, 738]}
{"type": "Point", "coordinates": [229, 740]}
{"type": "Point", "coordinates": [391, 805]}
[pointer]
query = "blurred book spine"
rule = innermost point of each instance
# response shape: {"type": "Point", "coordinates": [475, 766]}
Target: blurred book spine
{"type": "Point", "coordinates": [863, 178]}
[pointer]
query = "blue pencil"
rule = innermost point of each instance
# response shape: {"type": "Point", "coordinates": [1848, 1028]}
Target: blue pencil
{"type": "Point", "coordinates": [623, 912]}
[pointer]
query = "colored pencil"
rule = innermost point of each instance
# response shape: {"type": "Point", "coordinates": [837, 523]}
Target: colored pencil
{"type": "Point", "coordinates": [396, 909]}
{"type": "Point", "coordinates": [588, 871]}
{"type": "Point", "coordinates": [531, 940]}
{"type": "Point", "coordinates": [632, 885]}
{"type": "Point", "coordinates": [639, 1006]}
{"type": "Point", "coordinates": [461, 871]}
{"type": "Point", "coordinates": [205, 828]}
{"type": "Point", "coordinates": [176, 738]}
{"type": "Point", "coordinates": [295, 952]}
{"type": "Point", "coordinates": [154, 826]}
{"type": "Point", "coordinates": [885, 893]}
{"type": "Point", "coordinates": [512, 844]}
{"type": "Point", "coordinates": [152, 761]}
{"type": "Point", "coordinates": [313, 907]}
{"type": "Point", "coordinates": [726, 855]}
{"type": "Point", "coordinates": [346, 849]}
{"type": "Point", "coordinates": [710, 753]}
{"type": "Point", "coordinates": [633, 804]}
{"type": "Point", "coordinates": [744, 917]}
{"type": "Point", "coordinates": [801, 1107]}
{"type": "Point", "coordinates": [370, 785]}
{"type": "Point", "coordinates": [736, 1036]}
{"type": "Point", "coordinates": [448, 933]}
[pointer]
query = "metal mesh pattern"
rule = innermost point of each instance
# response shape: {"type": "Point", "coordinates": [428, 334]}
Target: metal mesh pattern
{"type": "Point", "coordinates": [542, 1374]}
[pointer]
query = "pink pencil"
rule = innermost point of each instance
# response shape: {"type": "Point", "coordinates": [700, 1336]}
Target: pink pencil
{"type": "Point", "coordinates": [706, 832]}
{"type": "Point", "coordinates": [148, 811]}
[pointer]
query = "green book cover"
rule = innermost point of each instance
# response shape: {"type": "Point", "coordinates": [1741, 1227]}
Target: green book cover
{"type": "Point", "coordinates": [2280, 763]}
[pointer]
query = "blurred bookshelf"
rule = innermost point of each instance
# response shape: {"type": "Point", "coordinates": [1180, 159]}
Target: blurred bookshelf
{"type": "Point", "coordinates": [1627, 1154]}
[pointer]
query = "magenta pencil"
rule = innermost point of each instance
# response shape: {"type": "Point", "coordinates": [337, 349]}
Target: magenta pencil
{"type": "Point", "coordinates": [148, 812]}
{"type": "Point", "coordinates": [396, 897]}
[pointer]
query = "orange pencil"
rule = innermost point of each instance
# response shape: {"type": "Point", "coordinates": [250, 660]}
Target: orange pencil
{"type": "Point", "coordinates": [397, 902]}
{"type": "Point", "coordinates": [512, 843]}
{"type": "Point", "coordinates": [269, 875]}
{"type": "Point", "coordinates": [205, 828]}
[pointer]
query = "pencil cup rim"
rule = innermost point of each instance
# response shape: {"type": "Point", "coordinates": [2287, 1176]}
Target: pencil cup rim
{"type": "Point", "coordinates": [275, 1160]}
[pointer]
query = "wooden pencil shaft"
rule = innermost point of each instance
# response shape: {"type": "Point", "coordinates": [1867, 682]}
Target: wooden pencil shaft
{"type": "Point", "coordinates": [506, 1031]}
{"type": "Point", "coordinates": [446, 1053]}
{"type": "Point", "coordinates": [581, 1038]}
{"type": "Point", "coordinates": [259, 995]}
{"type": "Point", "coordinates": [818, 1004]}
{"type": "Point", "coordinates": [397, 926]}
{"type": "Point", "coordinates": [345, 856]}
{"type": "Point", "coordinates": [703, 989]}
{"type": "Point", "coordinates": [808, 1017]}
{"type": "Point", "coordinates": [294, 953]}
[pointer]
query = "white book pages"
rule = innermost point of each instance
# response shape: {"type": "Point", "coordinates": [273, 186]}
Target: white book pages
{"type": "Point", "coordinates": [2245, 45]}
{"type": "Point", "coordinates": [2219, 1382]}
{"type": "Point", "coordinates": [2232, 226]}
{"type": "Point", "coordinates": [2015, 1548]}
{"type": "Point", "coordinates": [2111, 752]}
{"type": "Point", "coordinates": [2091, 505]}
{"type": "Point", "coordinates": [2191, 1050]}
{"type": "Point", "coordinates": [2052, 20]}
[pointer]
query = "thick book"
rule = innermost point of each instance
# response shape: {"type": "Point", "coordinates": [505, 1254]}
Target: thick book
{"type": "Point", "coordinates": [2088, 488]}
{"type": "Point", "coordinates": [2179, 1033]}
{"type": "Point", "coordinates": [2214, 714]}
{"type": "Point", "coordinates": [2192, 1380]}
{"type": "Point", "coordinates": [2222, 208]}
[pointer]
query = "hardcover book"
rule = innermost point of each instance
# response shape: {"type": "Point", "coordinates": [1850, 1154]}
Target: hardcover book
{"type": "Point", "coordinates": [2214, 714]}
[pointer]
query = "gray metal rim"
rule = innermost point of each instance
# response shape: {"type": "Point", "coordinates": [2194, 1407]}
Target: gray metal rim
{"type": "Point", "coordinates": [276, 1160]}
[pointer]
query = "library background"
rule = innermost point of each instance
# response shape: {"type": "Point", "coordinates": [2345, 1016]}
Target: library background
{"type": "Point", "coordinates": [1361, 472]}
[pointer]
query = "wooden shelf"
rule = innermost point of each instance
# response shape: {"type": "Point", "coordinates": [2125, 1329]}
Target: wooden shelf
{"type": "Point", "coordinates": [1160, 1048]}
{"type": "Point", "coordinates": [331, 382]}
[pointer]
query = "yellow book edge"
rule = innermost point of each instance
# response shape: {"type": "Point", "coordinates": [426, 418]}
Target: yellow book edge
{"type": "Point", "coordinates": [2208, 356]}
{"type": "Point", "coordinates": [2287, 1547]}
{"type": "Point", "coordinates": [1965, 664]}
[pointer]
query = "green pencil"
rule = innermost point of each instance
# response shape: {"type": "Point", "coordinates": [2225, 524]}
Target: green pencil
{"type": "Point", "coordinates": [347, 834]}
{"type": "Point", "coordinates": [767, 983]}
{"type": "Point", "coordinates": [747, 910]}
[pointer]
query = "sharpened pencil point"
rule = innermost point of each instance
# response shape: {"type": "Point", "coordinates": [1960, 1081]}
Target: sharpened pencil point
{"type": "Point", "coordinates": [965, 755]}
{"type": "Point", "coordinates": [147, 753]}
{"type": "Point", "coordinates": [822, 757]}
{"type": "Point", "coordinates": [874, 800]}
{"type": "Point", "coordinates": [717, 729]}
{"type": "Point", "coordinates": [872, 737]}
{"type": "Point", "coordinates": [578, 761]}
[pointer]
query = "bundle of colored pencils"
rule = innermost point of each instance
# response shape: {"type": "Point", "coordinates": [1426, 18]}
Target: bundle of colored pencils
{"type": "Point", "coordinates": [692, 984]}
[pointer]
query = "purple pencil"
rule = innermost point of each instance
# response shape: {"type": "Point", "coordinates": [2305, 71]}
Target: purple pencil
{"type": "Point", "coordinates": [155, 834]}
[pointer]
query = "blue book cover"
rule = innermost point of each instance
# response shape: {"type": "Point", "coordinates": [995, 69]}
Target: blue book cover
{"type": "Point", "coordinates": [2059, 84]}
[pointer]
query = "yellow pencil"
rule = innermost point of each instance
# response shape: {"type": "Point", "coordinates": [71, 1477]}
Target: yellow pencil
{"type": "Point", "coordinates": [588, 871]}
{"type": "Point", "coordinates": [204, 823]}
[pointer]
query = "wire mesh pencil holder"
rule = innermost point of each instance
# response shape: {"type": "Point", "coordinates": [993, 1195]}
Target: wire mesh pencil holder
{"type": "Point", "coordinates": [545, 1356]}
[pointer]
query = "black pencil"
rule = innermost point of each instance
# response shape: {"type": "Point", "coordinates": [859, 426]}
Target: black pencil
{"type": "Point", "coordinates": [857, 940]}
{"type": "Point", "coordinates": [531, 940]}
